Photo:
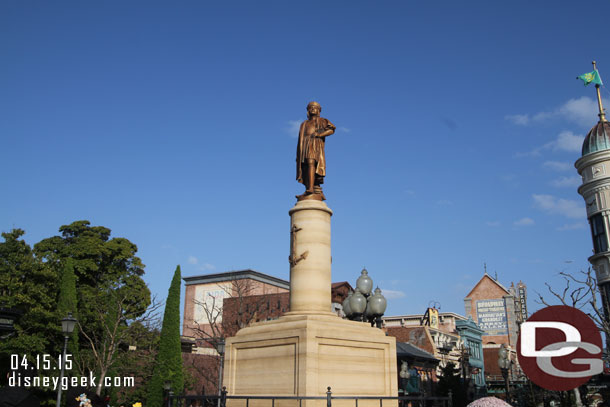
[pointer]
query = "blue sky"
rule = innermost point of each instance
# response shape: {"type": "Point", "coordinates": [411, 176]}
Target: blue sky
{"type": "Point", "coordinates": [174, 124]}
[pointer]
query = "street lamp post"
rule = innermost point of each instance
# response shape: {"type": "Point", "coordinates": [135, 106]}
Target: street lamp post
{"type": "Point", "coordinates": [465, 361]}
{"type": "Point", "coordinates": [504, 365]}
{"type": "Point", "coordinates": [167, 386]}
{"type": "Point", "coordinates": [67, 327]}
{"type": "Point", "coordinates": [466, 371]}
{"type": "Point", "coordinates": [8, 316]}
{"type": "Point", "coordinates": [220, 348]}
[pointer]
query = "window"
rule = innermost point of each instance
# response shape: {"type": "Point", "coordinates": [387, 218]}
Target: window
{"type": "Point", "coordinates": [598, 230]}
{"type": "Point", "coordinates": [478, 379]}
{"type": "Point", "coordinates": [474, 348]}
{"type": "Point", "coordinates": [605, 291]}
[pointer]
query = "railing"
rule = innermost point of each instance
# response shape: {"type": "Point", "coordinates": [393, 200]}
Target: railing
{"type": "Point", "coordinates": [221, 401]}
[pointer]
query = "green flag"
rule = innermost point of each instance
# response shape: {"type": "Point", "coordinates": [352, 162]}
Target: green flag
{"type": "Point", "coordinates": [589, 77]}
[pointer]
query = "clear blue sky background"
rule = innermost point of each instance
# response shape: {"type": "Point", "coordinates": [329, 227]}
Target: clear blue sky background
{"type": "Point", "coordinates": [174, 124]}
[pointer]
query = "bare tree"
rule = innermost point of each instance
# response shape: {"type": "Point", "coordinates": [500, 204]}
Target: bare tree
{"type": "Point", "coordinates": [579, 291]}
{"type": "Point", "coordinates": [218, 321]}
{"type": "Point", "coordinates": [215, 326]}
{"type": "Point", "coordinates": [204, 371]}
{"type": "Point", "coordinates": [116, 320]}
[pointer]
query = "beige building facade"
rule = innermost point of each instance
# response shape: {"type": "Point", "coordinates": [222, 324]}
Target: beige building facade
{"type": "Point", "coordinates": [446, 321]}
{"type": "Point", "coordinates": [204, 296]}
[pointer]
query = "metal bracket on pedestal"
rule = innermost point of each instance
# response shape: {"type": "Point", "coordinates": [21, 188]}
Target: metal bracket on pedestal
{"type": "Point", "coordinates": [292, 259]}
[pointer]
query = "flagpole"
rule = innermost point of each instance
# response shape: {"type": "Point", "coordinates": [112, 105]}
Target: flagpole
{"type": "Point", "coordinates": [602, 115]}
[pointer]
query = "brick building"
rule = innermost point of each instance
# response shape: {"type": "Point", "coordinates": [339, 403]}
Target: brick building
{"type": "Point", "coordinates": [492, 307]}
{"type": "Point", "coordinates": [434, 332]}
{"type": "Point", "coordinates": [498, 311]}
{"type": "Point", "coordinates": [445, 337]}
{"type": "Point", "coordinates": [205, 296]}
{"type": "Point", "coordinates": [446, 321]}
{"type": "Point", "coordinates": [218, 305]}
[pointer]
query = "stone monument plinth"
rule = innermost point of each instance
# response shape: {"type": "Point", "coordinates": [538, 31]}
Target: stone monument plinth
{"type": "Point", "coordinates": [310, 347]}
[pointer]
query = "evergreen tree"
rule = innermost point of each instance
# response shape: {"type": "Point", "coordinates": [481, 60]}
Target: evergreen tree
{"type": "Point", "coordinates": [137, 363]}
{"type": "Point", "coordinates": [450, 380]}
{"type": "Point", "coordinates": [111, 293]}
{"type": "Point", "coordinates": [31, 286]}
{"type": "Point", "coordinates": [168, 364]}
{"type": "Point", "coordinates": [67, 303]}
{"type": "Point", "coordinates": [100, 274]}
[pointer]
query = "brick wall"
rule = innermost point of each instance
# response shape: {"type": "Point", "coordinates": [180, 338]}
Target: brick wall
{"type": "Point", "coordinates": [194, 315]}
{"type": "Point", "coordinates": [489, 289]}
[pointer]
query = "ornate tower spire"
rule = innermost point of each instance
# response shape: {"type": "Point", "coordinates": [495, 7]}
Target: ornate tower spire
{"type": "Point", "coordinates": [594, 168]}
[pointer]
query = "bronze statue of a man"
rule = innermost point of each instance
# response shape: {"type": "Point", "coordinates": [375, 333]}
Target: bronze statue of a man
{"type": "Point", "coordinates": [311, 163]}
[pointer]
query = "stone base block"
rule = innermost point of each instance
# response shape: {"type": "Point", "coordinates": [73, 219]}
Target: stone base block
{"type": "Point", "coordinates": [302, 355]}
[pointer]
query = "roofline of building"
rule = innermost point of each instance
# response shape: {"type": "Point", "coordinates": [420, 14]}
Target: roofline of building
{"type": "Point", "coordinates": [338, 283]}
{"type": "Point", "coordinates": [468, 324]}
{"type": "Point", "coordinates": [492, 279]}
{"type": "Point", "coordinates": [237, 275]}
{"type": "Point", "coordinates": [426, 355]}
{"type": "Point", "coordinates": [440, 314]}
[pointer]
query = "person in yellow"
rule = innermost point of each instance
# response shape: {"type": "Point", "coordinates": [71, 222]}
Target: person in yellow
{"type": "Point", "coordinates": [311, 161]}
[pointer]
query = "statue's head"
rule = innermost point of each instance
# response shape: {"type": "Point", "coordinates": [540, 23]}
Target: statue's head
{"type": "Point", "coordinates": [313, 109]}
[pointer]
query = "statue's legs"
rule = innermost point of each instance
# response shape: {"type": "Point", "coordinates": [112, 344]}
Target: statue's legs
{"type": "Point", "coordinates": [311, 181]}
{"type": "Point", "coordinates": [311, 175]}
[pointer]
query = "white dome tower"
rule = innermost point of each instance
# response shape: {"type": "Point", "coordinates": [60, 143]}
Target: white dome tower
{"type": "Point", "coordinates": [594, 168]}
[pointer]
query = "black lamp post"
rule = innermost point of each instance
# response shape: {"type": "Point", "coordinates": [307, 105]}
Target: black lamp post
{"type": "Point", "coordinates": [8, 316]}
{"type": "Point", "coordinates": [170, 394]}
{"type": "Point", "coordinates": [504, 365]}
{"type": "Point", "coordinates": [167, 386]}
{"type": "Point", "coordinates": [466, 371]}
{"type": "Point", "coordinates": [67, 327]}
{"type": "Point", "coordinates": [220, 348]}
{"type": "Point", "coordinates": [465, 362]}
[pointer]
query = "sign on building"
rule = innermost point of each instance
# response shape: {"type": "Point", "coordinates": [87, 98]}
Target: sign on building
{"type": "Point", "coordinates": [491, 317]}
{"type": "Point", "coordinates": [208, 303]}
{"type": "Point", "coordinates": [522, 298]}
{"type": "Point", "coordinates": [430, 318]}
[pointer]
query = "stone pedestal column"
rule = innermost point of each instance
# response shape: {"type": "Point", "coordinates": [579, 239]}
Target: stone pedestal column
{"type": "Point", "coordinates": [310, 348]}
{"type": "Point", "coordinates": [310, 258]}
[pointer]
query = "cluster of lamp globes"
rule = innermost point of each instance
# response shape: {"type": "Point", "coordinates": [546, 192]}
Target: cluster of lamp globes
{"type": "Point", "coordinates": [361, 305]}
{"type": "Point", "coordinates": [503, 360]}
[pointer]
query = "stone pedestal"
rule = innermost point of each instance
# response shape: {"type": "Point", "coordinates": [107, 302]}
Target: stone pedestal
{"type": "Point", "coordinates": [310, 258]}
{"type": "Point", "coordinates": [310, 348]}
{"type": "Point", "coordinates": [301, 355]}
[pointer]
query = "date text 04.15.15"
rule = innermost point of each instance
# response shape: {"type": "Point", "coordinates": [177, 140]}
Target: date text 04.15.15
{"type": "Point", "coordinates": [40, 362]}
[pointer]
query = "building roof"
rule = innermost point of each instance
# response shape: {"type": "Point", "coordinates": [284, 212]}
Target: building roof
{"type": "Point", "coordinates": [420, 316]}
{"type": "Point", "coordinates": [237, 275]}
{"type": "Point", "coordinates": [340, 284]}
{"type": "Point", "coordinates": [487, 276]}
{"type": "Point", "coordinates": [468, 325]}
{"type": "Point", "coordinates": [339, 291]}
{"type": "Point", "coordinates": [597, 139]}
{"type": "Point", "coordinates": [405, 349]}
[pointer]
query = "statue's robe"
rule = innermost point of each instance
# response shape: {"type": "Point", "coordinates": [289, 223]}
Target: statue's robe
{"type": "Point", "coordinates": [312, 147]}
